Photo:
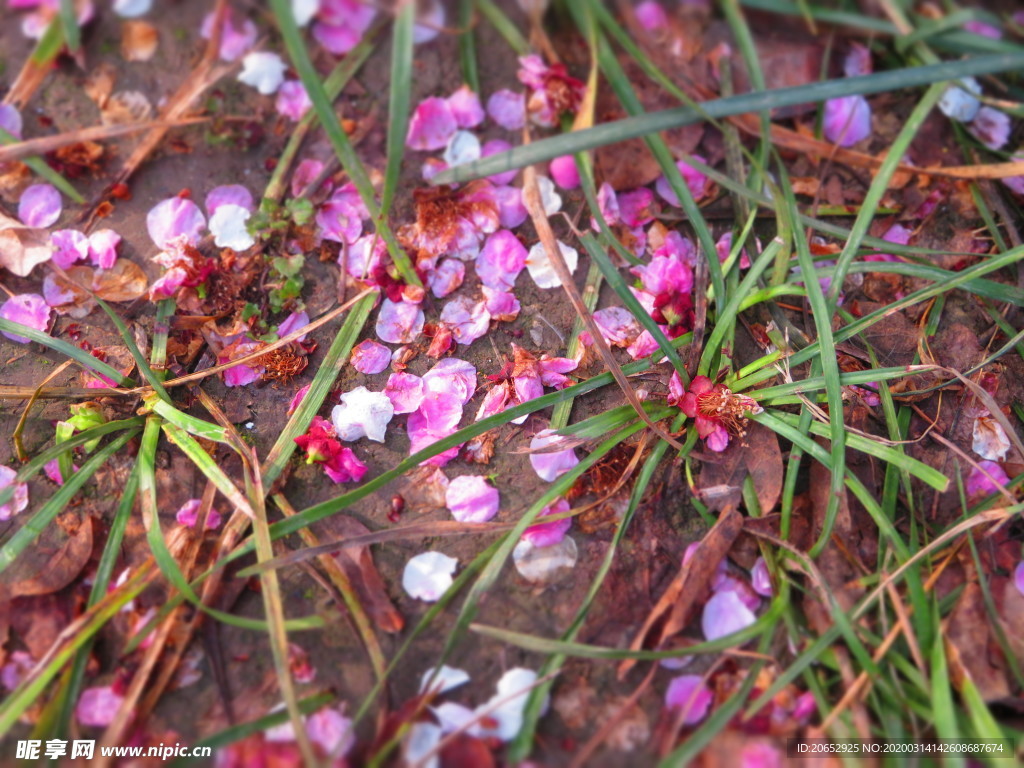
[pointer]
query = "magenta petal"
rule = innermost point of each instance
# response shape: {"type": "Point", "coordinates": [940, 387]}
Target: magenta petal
{"type": "Point", "coordinates": [70, 246]}
{"type": "Point", "coordinates": [28, 309]}
{"type": "Point", "coordinates": [847, 120]}
{"type": "Point", "coordinates": [501, 260]}
{"type": "Point", "coordinates": [472, 499]}
{"type": "Point", "coordinates": [431, 125]}
{"type": "Point", "coordinates": [103, 247]}
{"type": "Point", "coordinates": [292, 323]}
{"type": "Point", "coordinates": [651, 16]}
{"type": "Point", "coordinates": [637, 206]}
{"type": "Point", "coordinates": [39, 206]}
{"type": "Point", "coordinates": [399, 322]}
{"type": "Point", "coordinates": [1018, 577]}
{"type": "Point", "coordinates": [305, 174]}
{"type": "Point", "coordinates": [564, 172]}
{"type": "Point", "coordinates": [241, 375]}
{"type": "Point", "coordinates": [511, 210]}
{"type": "Point", "coordinates": [405, 391]}
{"type": "Point", "coordinates": [337, 39]}
{"type": "Point", "coordinates": [696, 182]}
{"type": "Point", "coordinates": [507, 109]}
{"type": "Point", "coordinates": [292, 100]}
{"type": "Point", "coordinates": [465, 107]}
{"type": "Point", "coordinates": [188, 513]}
{"type": "Point", "coordinates": [228, 194]}
{"type": "Point", "coordinates": [98, 706]}
{"type": "Point", "coordinates": [496, 147]}
{"type": "Point", "coordinates": [548, 534]}
{"type": "Point", "coordinates": [503, 306]}
{"type": "Point", "coordinates": [760, 579]}
{"type": "Point", "coordinates": [724, 614]}
{"type": "Point", "coordinates": [718, 440]}
{"type": "Point", "coordinates": [980, 484]}
{"type": "Point", "coordinates": [172, 218]}
{"type": "Point", "coordinates": [370, 357]}
{"type": "Point", "coordinates": [690, 694]}
{"type": "Point", "coordinates": [549, 466]}
{"type": "Point", "coordinates": [297, 399]}
{"type": "Point", "coordinates": [453, 377]}
{"type": "Point", "coordinates": [340, 219]}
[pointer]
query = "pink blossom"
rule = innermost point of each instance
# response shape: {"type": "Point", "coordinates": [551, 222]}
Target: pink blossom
{"type": "Point", "coordinates": [446, 278]}
{"type": "Point", "coordinates": [507, 109]}
{"type": "Point", "coordinates": [342, 23]}
{"type": "Point", "coordinates": [70, 246]}
{"type": "Point", "coordinates": [1016, 183]}
{"type": "Point", "coordinates": [103, 247]}
{"type": "Point", "coordinates": [454, 377]}
{"type": "Point", "coordinates": [550, 465]}
{"type": "Point", "coordinates": [553, 90]}
{"type": "Point", "coordinates": [991, 127]}
{"type": "Point", "coordinates": [511, 210]}
{"type": "Point", "coordinates": [689, 694]}
{"type": "Point", "coordinates": [503, 306]}
{"type": "Point", "coordinates": [983, 29]}
{"type": "Point", "coordinates": [465, 107]}
{"type": "Point", "coordinates": [726, 582]}
{"type": "Point", "coordinates": [549, 534]}
{"type": "Point", "coordinates": [39, 205]}
{"type": "Point", "coordinates": [172, 218]}
{"type": "Point", "coordinates": [188, 515]}
{"type": "Point", "coordinates": [19, 500]}
{"type": "Point", "coordinates": [364, 256]}
{"type": "Point", "coordinates": [665, 275]}
{"type": "Point", "coordinates": [472, 499]}
{"type": "Point", "coordinates": [430, 21]}
{"type": "Point", "coordinates": [651, 16]}
{"type": "Point", "coordinates": [608, 204]}
{"type": "Point", "coordinates": [437, 417]}
{"type": "Point", "coordinates": [10, 120]}
{"type": "Point", "coordinates": [760, 579]}
{"type": "Point", "coordinates": [895, 234]}
{"type": "Point", "coordinates": [501, 260]}
{"type": "Point", "coordinates": [399, 322]}
{"type": "Point", "coordinates": [228, 194]}
{"type": "Point", "coordinates": [431, 126]}
{"type": "Point", "coordinates": [847, 120]}
{"type": "Point", "coordinates": [857, 61]}
{"type": "Point", "coordinates": [52, 468]}
{"type": "Point", "coordinates": [696, 182]}
{"type": "Point", "coordinates": [468, 320]}
{"type": "Point", "coordinates": [341, 216]}
{"type": "Point", "coordinates": [496, 147]}
{"type": "Point", "coordinates": [305, 174]}
{"type": "Point", "coordinates": [292, 100]}
{"type": "Point", "coordinates": [405, 391]}
{"type": "Point", "coordinates": [297, 399]}
{"type": "Point", "coordinates": [29, 309]}
{"type": "Point", "coordinates": [345, 467]}
{"type": "Point", "coordinates": [981, 484]}
{"type": "Point", "coordinates": [97, 707]}
{"type": "Point", "coordinates": [564, 173]}
{"type": "Point", "coordinates": [331, 731]}
{"type": "Point", "coordinates": [292, 323]}
{"type": "Point", "coordinates": [644, 345]}
{"type": "Point", "coordinates": [246, 373]}
{"type": "Point", "coordinates": [369, 357]}
{"type": "Point", "coordinates": [234, 41]}
{"type": "Point", "coordinates": [637, 206]}
{"type": "Point", "coordinates": [167, 285]}
{"type": "Point", "coordinates": [724, 614]}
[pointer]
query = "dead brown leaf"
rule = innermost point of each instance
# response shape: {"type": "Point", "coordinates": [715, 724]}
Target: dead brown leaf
{"type": "Point", "coordinates": [56, 560]}
{"type": "Point", "coordinates": [139, 40]}
{"type": "Point", "coordinates": [125, 281]}
{"type": "Point", "coordinates": [21, 247]}
{"type": "Point", "coordinates": [126, 107]}
{"type": "Point", "coordinates": [721, 483]}
{"type": "Point", "coordinates": [968, 631]}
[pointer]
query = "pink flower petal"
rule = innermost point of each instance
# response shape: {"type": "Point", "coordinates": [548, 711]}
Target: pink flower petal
{"type": "Point", "coordinates": [297, 400]}
{"type": "Point", "coordinates": [437, 417]}
{"type": "Point", "coordinates": [19, 501]}
{"type": "Point", "coordinates": [857, 61]}
{"type": "Point", "coordinates": [28, 309]}
{"type": "Point", "coordinates": [234, 41]}
{"type": "Point", "coordinates": [847, 120]}
{"type": "Point", "coordinates": [10, 120]}
{"type": "Point", "coordinates": [305, 174]}
{"type": "Point", "coordinates": [39, 205]}
{"type": "Point", "coordinates": [452, 377]}
{"type": "Point", "coordinates": [980, 484]}
{"type": "Point", "coordinates": [696, 182]}
{"type": "Point", "coordinates": [991, 127]}
{"type": "Point", "coordinates": [724, 614]}
{"type": "Point", "coordinates": [511, 210]}
{"type": "Point", "coordinates": [103, 247]}
{"type": "Point", "coordinates": [503, 306]}
{"type": "Point", "coordinates": [471, 499]}
{"type": "Point", "coordinates": [172, 218]}
{"type": "Point", "coordinates": [760, 579]}
{"type": "Point", "coordinates": [549, 466]}
{"type": "Point", "coordinates": [98, 706]}
{"type": "Point", "coordinates": [431, 126]}
{"type": "Point", "coordinates": [651, 16]}
{"type": "Point", "coordinates": [228, 194]}
{"type": "Point", "coordinates": [549, 534]}
{"type": "Point", "coordinates": [399, 322]}
{"type": "Point", "coordinates": [690, 694]}
{"type": "Point", "coordinates": [637, 207]}
{"type": "Point", "coordinates": [70, 246]}
{"type": "Point", "coordinates": [292, 100]}
{"type": "Point", "coordinates": [345, 467]}
{"type": "Point", "coordinates": [496, 147]}
{"type": "Point", "coordinates": [369, 357]}
{"type": "Point", "coordinates": [1018, 577]}
{"type": "Point", "coordinates": [447, 277]}
{"type": "Point", "coordinates": [718, 440]}
{"type": "Point", "coordinates": [292, 323]}
{"type": "Point", "coordinates": [465, 107]}
{"type": "Point", "coordinates": [331, 731]}
{"type": "Point", "coordinates": [617, 325]}
{"type": "Point", "coordinates": [501, 260]}
{"type": "Point", "coordinates": [337, 39]}
{"type": "Point", "coordinates": [507, 109]}
{"type": "Point", "coordinates": [405, 391]}
{"type": "Point", "coordinates": [564, 173]}
{"type": "Point", "coordinates": [340, 219]}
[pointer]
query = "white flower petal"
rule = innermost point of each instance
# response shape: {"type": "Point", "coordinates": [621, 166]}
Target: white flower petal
{"type": "Point", "coordinates": [505, 708]}
{"type": "Point", "coordinates": [990, 440]}
{"type": "Point", "coordinates": [541, 270]}
{"type": "Point", "coordinates": [549, 197]}
{"type": "Point", "coordinates": [304, 11]}
{"type": "Point", "coordinates": [362, 413]}
{"type": "Point", "coordinates": [421, 740]}
{"type": "Point", "coordinates": [958, 101]}
{"type": "Point", "coordinates": [262, 70]}
{"type": "Point", "coordinates": [228, 227]}
{"type": "Point", "coordinates": [463, 147]}
{"type": "Point", "coordinates": [428, 575]}
{"type": "Point", "coordinates": [445, 680]}
{"type": "Point", "coordinates": [456, 717]}
{"type": "Point", "coordinates": [541, 564]}
{"type": "Point", "coordinates": [130, 9]}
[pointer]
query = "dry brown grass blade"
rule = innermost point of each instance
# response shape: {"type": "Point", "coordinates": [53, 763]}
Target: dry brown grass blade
{"type": "Point", "coordinates": [532, 201]}
{"type": "Point", "coordinates": [594, 742]}
{"type": "Point", "coordinates": [44, 144]}
{"type": "Point", "coordinates": [16, 435]}
{"type": "Point", "coordinates": [11, 392]}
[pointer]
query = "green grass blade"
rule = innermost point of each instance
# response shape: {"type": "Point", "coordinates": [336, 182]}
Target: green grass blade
{"type": "Point", "coordinates": [504, 25]}
{"type": "Point", "coordinates": [69, 25]}
{"type": "Point", "coordinates": [398, 100]}
{"type": "Point", "coordinates": [155, 380]}
{"type": "Point", "coordinates": [467, 45]}
{"type": "Point", "coordinates": [69, 350]}
{"type": "Point", "coordinates": [205, 463]}
{"type": "Point", "coordinates": [41, 169]}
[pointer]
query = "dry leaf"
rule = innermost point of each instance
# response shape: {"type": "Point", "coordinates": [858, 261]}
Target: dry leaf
{"type": "Point", "coordinates": [55, 561]}
{"type": "Point", "coordinates": [67, 296]}
{"type": "Point", "coordinates": [126, 107]}
{"type": "Point", "coordinates": [720, 483]}
{"type": "Point", "coordinates": [968, 630]}
{"type": "Point", "coordinates": [125, 281]}
{"type": "Point", "coordinates": [139, 40]}
{"type": "Point", "coordinates": [100, 84]}
{"type": "Point", "coordinates": [21, 247]}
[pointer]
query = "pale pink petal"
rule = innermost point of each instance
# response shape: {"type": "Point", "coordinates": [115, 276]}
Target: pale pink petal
{"type": "Point", "coordinates": [305, 174]}
{"type": "Point", "coordinates": [760, 754]}
{"type": "Point", "coordinates": [437, 417]}
{"type": "Point", "coordinates": [991, 127]}
{"type": "Point", "coordinates": [98, 706]}
{"type": "Point", "coordinates": [70, 246]}
{"type": "Point", "coordinates": [857, 61]}
{"type": "Point", "coordinates": [331, 731]}
{"type": "Point", "coordinates": [405, 391]}
{"type": "Point", "coordinates": [19, 501]}
{"type": "Point", "coordinates": [427, 576]}
{"type": "Point", "coordinates": [549, 466]}
{"type": "Point", "coordinates": [507, 109]}
{"type": "Point", "coordinates": [465, 107]}
{"type": "Point", "coordinates": [494, 402]}
{"type": "Point", "coordinates": [644, 345]}
{"type": "Point", "coordinates": [471, 499]}
{"type": "Point", "coordinates": [431, 126]}
{"type": "Point", "coordinates": [980, 484]}
{"type": "Point", "coordinates": [399, 322]}
{"type": "Point", "coordinates": [608, 204]}
{"type": "Point", "coordinates": [10, 120]}
{"type": "Point", "coordinates": [18, 665]}
{"type": "Point", "coordinates": [28, 309]}
{"type": "Point", "coordinates": [744, 591]}
{"type": "Point", "coordinates": [552, 370]}
{"type": "Point", "coordinates": [847, 120]}
{"type": "Point", "coordinates": [340, 219]}
{"type": "Point", "coordinates": [983, 29]}
{"type": "Point", "coordinates": [447, 277]}
{"type": "Point", "coordinates": [172, 218]}
{"type": "Point", "coordinates": [564, 172]}
{"type": "Point", "coordinates": [429, 22]}
{"type": "Point", "coordinates": [617, 325]}
{"type": "Point", "coordinates": [292, 323]}
{"type": "Point", "coordinates": [234, 41]}
{"type": "Point", "coordinates": [496, 147]}
{"type": "Point", "coordinates": [760, 579]}
{"type": "Point", "coordinates": [453, 377]}
{"type": "Point", "coordinates": [229, 227]}
{"type": "Point", "coordinates": [39, 205]}
{"type": "Point", "coordinates": [103, 247]}
{"type": "Point", "coordinates": [511, 210]}
{"type": "Point", "coordinates": [724, 614]}
{"type": "Point", "coordinates": [548, 534]}
{"type": "Point", "coordinates": [228, 194]}
{"type": "Point", "coordinates": [369, 357]}
{"type": "Point", "coordinates": [164, 287]}
{"type": "Point", "coordinates": [501, 260]}
{"type": "Point", "coordinates": [1018, 577]}
{"type": "Point", "coordinates": [292, 100]}
{"type": "Point", "coordinates": [362, 413]}
{"type": "Point", "coordinates": [503, 306]}
{"type": "Point", "coordinates": [696, 182]}
{"type": "Point", "coordinates": [690, 694]}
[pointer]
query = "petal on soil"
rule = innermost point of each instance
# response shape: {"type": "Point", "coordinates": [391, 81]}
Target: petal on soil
{"type": "Point", "coordinates": [19, 501]}
{"type": "Point", "coordinates": [262, 70]}
{"type": "Point", "coordinates": [465, 107]}
{"type": "Point", "coordinates": [443, 680]}
{"type": "Point", "coordinates": [847, 120]}
{"type": "Point", "coordinates": [542, 564]}
{"type": "Point", "coordinates": [228, 194]}
{"type": "Point", "coordinates": [399, 322]}
{"type": "Point", "coordinates": [431, 126]}
{"type": "Point", "coordinates": [39, 206]}
{"type": "Point", "coordinates": [507, 109]}
{"type": "Point", "coordinates": [428, 575]}
{"type": "Point", "coordinates": [28, 309]}
{"type": "Point", "coordinates": [545, 535]}
{"type": "Point", "coordinates": [990, 440]}
{"type": "Point", "coordinates": [172, 218]}
{"type": "Point", "coordinates": [471, 499]}
{"type": "Point", "coordinates": [405, 391]}
{"type": "Point", "coordinates": [691, 695]}
{"type": "Point", "coordinates": [496, 147]}
{"type": "Point", "coordinates": [228, 226]}
{"type": "Point", "coordinates": [724, 614]}
{"type": "Point", "coordinates": [541, 270]}
{"type": "Point", "coordinates": [292, 100]}
{"type": "Point", "coordinates": [549, 466]}
{"type": "Point", "coordinates": [362, 413]}
{"type": "Point", "coordinates": [98, 706]}
{"type": "Point", "coordinates": [369, 357]}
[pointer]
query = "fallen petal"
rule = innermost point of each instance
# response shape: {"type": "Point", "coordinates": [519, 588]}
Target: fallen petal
{"type": "Point", "coordinates": [543, 564]}
{"type": "Point", "coordinates": [39, 205]}
{"type": "Point", "coordinates": [427, 576]}
{"type": "Point", "coordinates": [725, 614]}
{"type": "Point", "coordinates": [471, 499]}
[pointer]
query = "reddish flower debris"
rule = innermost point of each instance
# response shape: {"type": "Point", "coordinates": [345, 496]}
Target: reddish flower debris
{"type": "Point", "coordinates": [719, 413]}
